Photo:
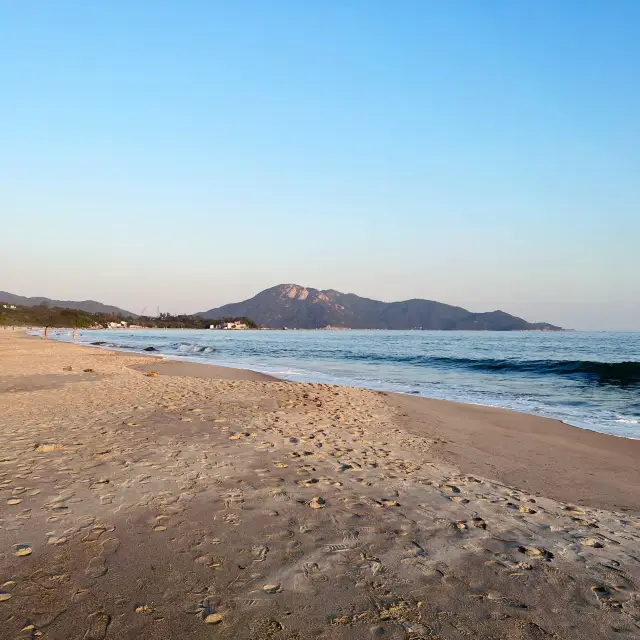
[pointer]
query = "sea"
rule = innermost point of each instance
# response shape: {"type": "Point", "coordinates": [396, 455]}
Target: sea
{"type": "Point", "coordinates": [588, 380]}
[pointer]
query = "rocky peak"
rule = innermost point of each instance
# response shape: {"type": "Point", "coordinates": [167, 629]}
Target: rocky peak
{"type": "Point", "coordinates": [294, 292]}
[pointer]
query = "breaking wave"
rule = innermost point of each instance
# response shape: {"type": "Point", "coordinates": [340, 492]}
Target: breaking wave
{"type": "Point", "coordinates": [187, 347]}
{"type": "Point", "coordinates": [618, 373]}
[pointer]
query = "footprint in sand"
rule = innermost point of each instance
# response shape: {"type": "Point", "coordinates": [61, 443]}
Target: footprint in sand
{"type": "Point", "coordinates": [110, 546]}
{"type": "Point", "coordinates": [94, 534]}
{"type": "Point", "coordinates": [281, 496]}
{"type": "Point", "coordinates": [350, 537]}
{"type": "Point", "coordinates": [231, 518]}
{"type": "Point", "coordinates": [574, 510]}
{"type": "Point", "coordinates": [524, 509]}
{"type": "Point", "coordinates": [50, 580]}
{"type": "Point", "coordinates": [307, 483]}
{"type": "Point", "coordinates": [592, 542]}
{"type": "Point", "coordinates": [312, 572]}
{"type": "Point", "coordinates": [536, 552]}
{"type": "Point", "coordinates": [304, 580]}
{"type": "Point", "coordinates": [601, 592]}
{"type": "Point", "coordinates": [234, 501]}
{"type": "Point", "coordinates": [97, 625]}
{"type": "Point", "coordinates": [584, 523]}
{"type": "Point", "coordinates": [259, 552]}
{"type": "Point", "coordinates": [333, 548]}
{"type": "Point", "coordinates": [97, 567]}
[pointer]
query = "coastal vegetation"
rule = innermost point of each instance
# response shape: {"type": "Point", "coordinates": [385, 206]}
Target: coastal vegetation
{"type": "Point", "coordinates": [43, 315]}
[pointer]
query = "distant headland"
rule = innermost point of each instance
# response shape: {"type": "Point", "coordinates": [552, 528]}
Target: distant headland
{"type": "Point", "coordinates": [289, 306]}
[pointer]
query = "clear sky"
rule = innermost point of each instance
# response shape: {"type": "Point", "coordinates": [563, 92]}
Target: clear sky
{"type": "Point", "coordinates": [188, 154]}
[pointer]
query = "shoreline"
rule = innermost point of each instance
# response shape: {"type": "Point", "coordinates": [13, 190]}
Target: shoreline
{"type": "Point", "coordinates": [151, 508]}
{"type": "Point", "coordinates": [541, 455]}
{"type": "Point", "coordinates": [486, 429]}
{"type": "Point", "coordinates": [164, 364]}
{"type": "Point", "coordinates": [259, 375]}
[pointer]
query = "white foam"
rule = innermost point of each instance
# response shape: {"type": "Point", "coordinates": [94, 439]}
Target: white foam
{"type": "Point", "coordinates": [195, 348]}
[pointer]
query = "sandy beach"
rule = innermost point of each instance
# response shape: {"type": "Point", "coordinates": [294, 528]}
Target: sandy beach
{"type": "Point", "coordinates": [207, 502]}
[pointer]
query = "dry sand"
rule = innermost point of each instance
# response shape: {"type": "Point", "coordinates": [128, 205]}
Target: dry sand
{"type": "Point", "coordinates": [196, 504]}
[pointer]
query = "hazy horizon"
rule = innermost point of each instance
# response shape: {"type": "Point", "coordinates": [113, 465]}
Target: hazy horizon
{"type": "Point", "coordinates": [185, 157]}
{"type": "Point", "coordinates": [152, 309]}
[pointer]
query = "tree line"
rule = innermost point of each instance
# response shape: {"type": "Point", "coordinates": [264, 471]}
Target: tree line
{"type": "Point", "coordinates": [59, 317]}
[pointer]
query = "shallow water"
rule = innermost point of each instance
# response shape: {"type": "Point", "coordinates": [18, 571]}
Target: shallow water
{"type": "Point", "coordinates": [589, 380]}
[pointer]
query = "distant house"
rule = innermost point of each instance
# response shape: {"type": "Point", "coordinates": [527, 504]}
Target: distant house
{"type": "Point", "coordinates": [228, 326]}
{"type": "Point", "coordinates": [225, 324]}
{"type": "Point", "coordinates": [117, 325]}
{"type": "Point", "coordinates": [9, 306]}
{"type": "Point", "coordinates": [235, 325]}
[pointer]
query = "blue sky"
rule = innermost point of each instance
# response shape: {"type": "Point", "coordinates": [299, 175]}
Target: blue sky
{"type": "Point", "coordinates": [188, 154]}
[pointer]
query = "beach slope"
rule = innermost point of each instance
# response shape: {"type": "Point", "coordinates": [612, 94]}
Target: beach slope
{"type": "Point", "coordinates": [227, 505]}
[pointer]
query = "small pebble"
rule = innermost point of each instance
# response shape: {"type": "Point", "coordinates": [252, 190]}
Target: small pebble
{"type": "Point", "coordinates": [271, 588]}
{"type": "Point", "coordinates": [213, 618]}
{"type": "Point", "coordinates": [22, 550]}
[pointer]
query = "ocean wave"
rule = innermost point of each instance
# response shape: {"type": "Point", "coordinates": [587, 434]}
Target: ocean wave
{"type": "Point", "coordinates": [618, 373]}
{"type": "Point", "coordinates": [111, 345]}
{"type": "Point", "coordinates": [187, 347]}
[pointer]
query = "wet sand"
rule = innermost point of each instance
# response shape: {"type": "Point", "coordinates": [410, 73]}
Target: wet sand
{"type": "Point", "coordinates": [197, 370]}
{"type": "Point", "coordinates": [193, 505]}
{"type": "Point", "coordinates": [542, 456]}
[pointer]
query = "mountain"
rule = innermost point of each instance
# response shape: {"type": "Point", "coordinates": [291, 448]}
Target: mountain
{"type": "Point", "coordinates": [84, 305]}
{"type": "Point", "coordinates": [296, 307]}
